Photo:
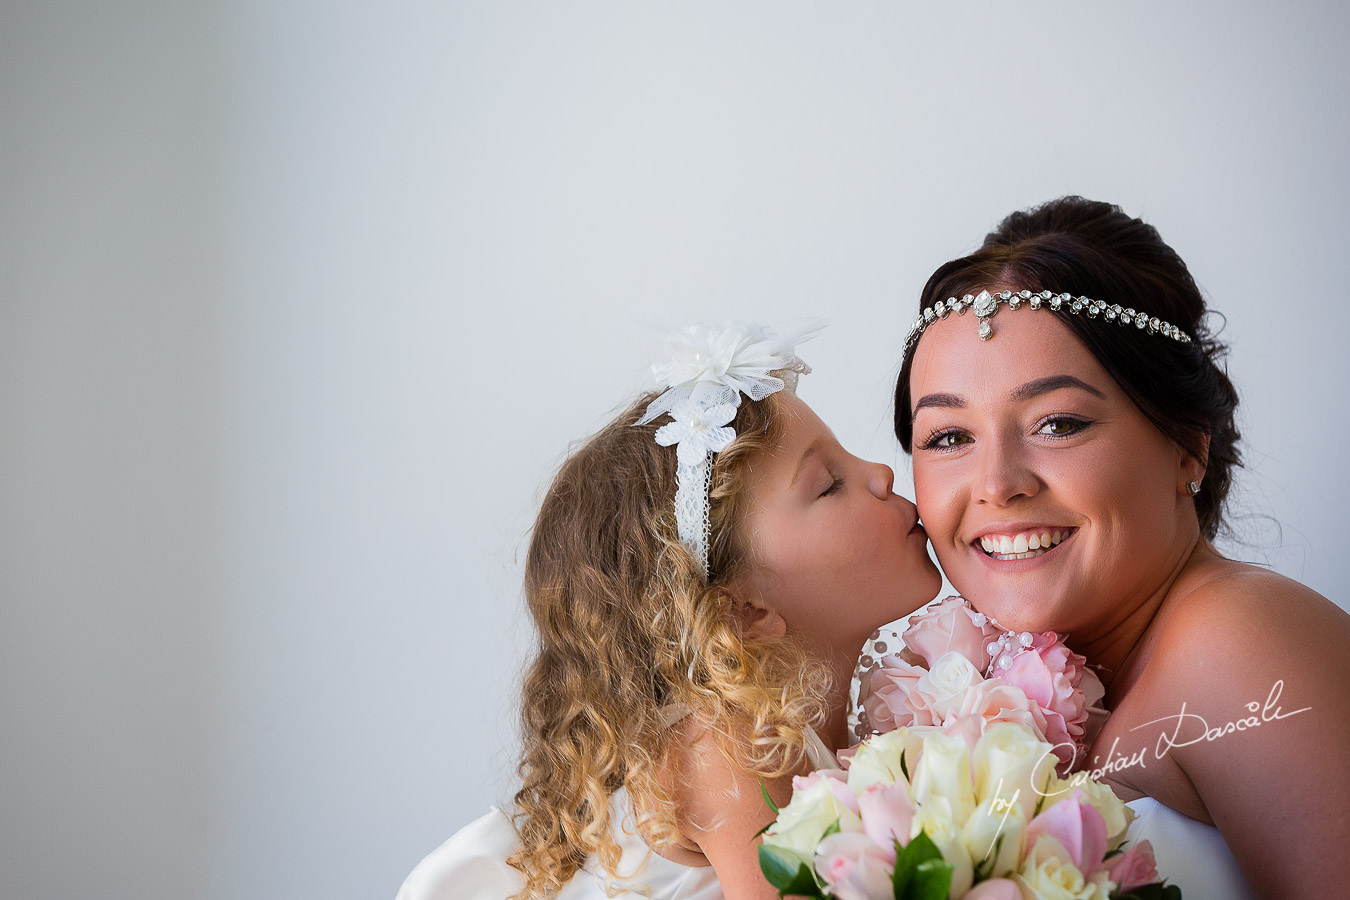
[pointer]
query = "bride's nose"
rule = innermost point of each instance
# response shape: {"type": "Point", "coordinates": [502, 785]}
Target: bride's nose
{"type": "Point", "coordinates": [1003, 474]}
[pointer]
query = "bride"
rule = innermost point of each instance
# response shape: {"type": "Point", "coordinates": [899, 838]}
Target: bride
{"type": "Point", "coordinates": [1073, 441]}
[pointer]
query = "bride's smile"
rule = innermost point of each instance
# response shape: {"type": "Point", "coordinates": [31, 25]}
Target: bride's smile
{"type": "Point", "coordinates": [1006, 543]}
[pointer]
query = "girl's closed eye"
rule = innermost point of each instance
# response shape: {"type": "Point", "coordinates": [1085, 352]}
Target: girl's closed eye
{"type": "Point", "coordinates": [835, 484]}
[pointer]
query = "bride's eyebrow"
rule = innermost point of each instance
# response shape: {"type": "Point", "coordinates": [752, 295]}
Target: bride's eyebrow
{"type": "Point", "coordinates": [940, 401]}
{"type": "Point", "coordinates": [1018, 394]}
{"type": "Point", "coordinates": [1052, 383]}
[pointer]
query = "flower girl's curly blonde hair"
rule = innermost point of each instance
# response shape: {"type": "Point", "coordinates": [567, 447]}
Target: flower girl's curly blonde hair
{"type": "Point", "coordinates": [628, 628]}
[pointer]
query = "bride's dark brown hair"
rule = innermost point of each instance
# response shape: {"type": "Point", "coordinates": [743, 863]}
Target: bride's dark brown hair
{"type": "Point", "coordinates": [628, 629]}
{"type": "Point", "coordinates": [1094, 249]}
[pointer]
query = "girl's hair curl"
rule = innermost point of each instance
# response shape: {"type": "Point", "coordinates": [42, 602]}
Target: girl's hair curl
{"type": "Point", "coordinates": [628, 628]}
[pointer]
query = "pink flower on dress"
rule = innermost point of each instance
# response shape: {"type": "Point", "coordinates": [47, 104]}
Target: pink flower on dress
{"type": "Point", "coordinates": [951, 624]}
{"type": "Point", "coordinates": [1059, 681]}
{"type": "Point", "coordinates": [1133, 868]}
{"type": "Point", "coordinates": [889, 696]}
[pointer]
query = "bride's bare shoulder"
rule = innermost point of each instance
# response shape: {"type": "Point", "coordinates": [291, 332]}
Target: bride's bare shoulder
{"type": "Point", "coordinates": [1224, 606]}
{"type": "Point", "coordinates": [1255, 665]}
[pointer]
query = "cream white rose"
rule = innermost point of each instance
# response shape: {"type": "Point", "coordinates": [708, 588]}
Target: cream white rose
{"type": "Point", "coordinates": [1010, 760]}
{"type": "Point", "coordinates": [944, 773]}
{"type": "Point", "coordinates": [943, 687]}
{"type": "Point", "coordinates": [935, 821]}
{"type": "Point", "coordinates": [996, 831]}
{"type": "Point", "coordinates": [878, 759]}
{"type": "Point", "coordinates": [814, 807]}
{"type": "Point", "coordinates": [1048, 875]}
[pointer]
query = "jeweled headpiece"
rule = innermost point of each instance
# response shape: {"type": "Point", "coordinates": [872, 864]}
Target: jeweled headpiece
{"type": "Point", "coordinates": [985, 306]}
{"type": "Point", "coordinates": [709, 367]}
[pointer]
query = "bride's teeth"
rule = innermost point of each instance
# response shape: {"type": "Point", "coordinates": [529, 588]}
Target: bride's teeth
{"type": "Point", "coordinates": [1023, 545]}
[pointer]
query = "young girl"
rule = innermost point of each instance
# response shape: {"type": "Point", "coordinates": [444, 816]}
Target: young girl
{"type": "Point", "coordinates": [702, 575]}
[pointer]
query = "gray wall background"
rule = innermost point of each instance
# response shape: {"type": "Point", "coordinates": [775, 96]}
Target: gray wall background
{"type": "Point", "coordinates": [301, 303]}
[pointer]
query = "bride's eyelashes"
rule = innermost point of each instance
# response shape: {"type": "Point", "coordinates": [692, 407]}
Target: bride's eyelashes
{"type": "Point", "coordinates": [941, 439]}
{"type": "Point", "coordinates": [835, 484]}
{"type": "Point", "coordinates": [1062, 425]}
{"type": "Point", "coordinates": [1057, 426]}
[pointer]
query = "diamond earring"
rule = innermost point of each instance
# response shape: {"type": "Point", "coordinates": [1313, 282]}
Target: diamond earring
{"type": "Point", "coordinates": [1193, 487]}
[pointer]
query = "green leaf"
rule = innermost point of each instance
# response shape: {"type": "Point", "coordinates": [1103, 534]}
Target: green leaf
{"type": "Point", "coordinates": [908, 859]}
{"type": "Point", "coordinates": [985, 867]}
{"type": "Point", "coordinates": [932, 880]}
{"type": "Point", "coordinates": [767, 799]}
{"type": "Point", "coordinates": [787, 871]}
{"type": "Point", "coordinates": [1040, 799]}
{"type": "Point", "coordinates": [833, 829]}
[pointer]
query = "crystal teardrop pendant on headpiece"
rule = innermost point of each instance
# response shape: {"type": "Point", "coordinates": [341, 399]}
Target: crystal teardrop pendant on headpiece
{"type": "Point", "coordinates": [985, 305]}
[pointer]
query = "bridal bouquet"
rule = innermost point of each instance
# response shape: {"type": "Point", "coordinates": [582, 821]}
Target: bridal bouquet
{"type": "Point", "coordinates": [960, 671]}
{"type": "Point", "coordinates": [962, 794]}
{"type": "Point", "coordinates": [921, 815]}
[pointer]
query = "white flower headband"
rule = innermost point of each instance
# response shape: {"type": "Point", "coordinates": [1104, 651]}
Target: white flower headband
{"type": "Point", "coordinates": [710, 367]}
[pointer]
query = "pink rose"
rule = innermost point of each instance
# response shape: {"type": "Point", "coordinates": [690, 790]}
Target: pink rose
{"type": "Point", "coordinates": [969, 728]}
{"type": "Point", "coordinates": [887, 815]}
{"type": "Point", "coordinates": [888, 696]}
{"type": "Point", "coordinates": [834, 780]}
{"type": "Point", "coordinates": [854, 868]}
{"type": "Point", "coordinates": [995, 700]}
{"type": "Point", "coordinates": [1133, 868]}
{"type": "Point", "coordinates": [951, 624]}
{"type": "Point", "coordinates": [993, 889]}
{"type": "Point", "coordinates": [1051, 674]}
{"type": "Point", "coordinates": [1078, 827]}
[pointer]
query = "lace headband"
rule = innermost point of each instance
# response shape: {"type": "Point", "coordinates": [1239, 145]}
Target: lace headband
{"type": "Point", "coordinates": [709, 367]}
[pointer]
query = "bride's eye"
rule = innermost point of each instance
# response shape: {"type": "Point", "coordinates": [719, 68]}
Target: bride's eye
{"type": "Point", "coordinates": [1062, 426]}
{"type": "Point", "coordinates": [835, 485]}
{"type": "Point", "coordinates": [945, 439]}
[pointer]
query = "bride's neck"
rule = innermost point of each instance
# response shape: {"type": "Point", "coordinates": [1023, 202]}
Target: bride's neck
{"type": "Point", "coordinates": [1121, 649]}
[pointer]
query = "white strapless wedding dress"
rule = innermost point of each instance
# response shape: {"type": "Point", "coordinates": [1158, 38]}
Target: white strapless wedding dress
{"type": "Point", "coordinates": [472, 866]}
{"type": "Point", "coordinates": [1190, 854]}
